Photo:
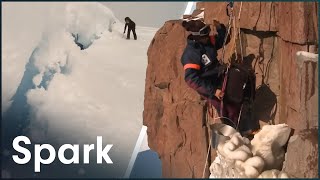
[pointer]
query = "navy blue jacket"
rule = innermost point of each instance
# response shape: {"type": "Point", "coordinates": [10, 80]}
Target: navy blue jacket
{"type": "Point", "coordinates": [205, 79]}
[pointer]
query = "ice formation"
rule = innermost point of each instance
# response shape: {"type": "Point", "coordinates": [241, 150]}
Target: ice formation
{"type": "Point", "coordinates": [262, 157]}
{"type": "Point", "coordinates": [274, 173]}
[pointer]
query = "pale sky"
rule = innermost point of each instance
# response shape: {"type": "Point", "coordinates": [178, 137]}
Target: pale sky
{"type": "Point", "coordinates": [150, 14]}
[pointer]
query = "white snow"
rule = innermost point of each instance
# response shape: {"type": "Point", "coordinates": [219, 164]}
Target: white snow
{"type": "Point", "coordinates": [268, 144]}
{"type": "Point", "coordinates": [96, 91]}
{"type": "Point", "coordinates": [238, 158]}
{"type": "Point", "coordinates": [190, 7]}
{"type": "Point", "coordinates": [303, 56]}
{"type": "Point", "coordinates": [89, 21]}
{"type": "Point", "coordinates": [274, 173]}
{"type": "Point", "coordinates": [144, 146]}
{"type": "Point", "coordinates": [312, 56]}
{"type": "Point", "coordinates": [19, 37]}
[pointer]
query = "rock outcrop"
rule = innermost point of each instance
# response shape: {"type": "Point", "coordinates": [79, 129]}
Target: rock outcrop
{"type": "Point", "coordinates": [287, 88]}
{"type": "Point", "coordinates": [173, 112]}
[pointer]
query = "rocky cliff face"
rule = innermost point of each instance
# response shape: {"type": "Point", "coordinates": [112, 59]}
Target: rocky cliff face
{"type": "Point", "coordinates": [287, 88]}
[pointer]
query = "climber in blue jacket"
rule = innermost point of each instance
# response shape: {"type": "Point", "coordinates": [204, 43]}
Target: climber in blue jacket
{"type": "Point", "coordinates": [203, 72]}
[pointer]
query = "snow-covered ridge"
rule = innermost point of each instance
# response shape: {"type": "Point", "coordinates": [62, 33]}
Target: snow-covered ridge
{"type": "Point", "coordinates": [88, 21]}
{"type": "Point", "coordinates": [69, 95]}
{"type": "Point", "coordinates": [35, 24]}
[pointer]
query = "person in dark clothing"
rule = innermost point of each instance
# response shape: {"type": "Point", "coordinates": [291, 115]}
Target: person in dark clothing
{"type": "Point", "coordinates": [203, 72]}
{"type": "Point", "coordinates": [131, 27]}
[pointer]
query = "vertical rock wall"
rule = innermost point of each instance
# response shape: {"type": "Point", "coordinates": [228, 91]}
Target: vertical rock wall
{"type": "Point", "coordinates": [287, 89]}
{"type": "Point", "coordinates": [173, 112]}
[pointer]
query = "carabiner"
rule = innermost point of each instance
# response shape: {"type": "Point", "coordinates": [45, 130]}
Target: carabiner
{"type": "Point", "coordinates": [230, 4]}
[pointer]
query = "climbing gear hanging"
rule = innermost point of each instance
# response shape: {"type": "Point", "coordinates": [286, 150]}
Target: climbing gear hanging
{"type": "Point", "coordinates": [230, 15]}
{"type": "Point", "coordinates": [232, 22]}
{"type": "Point", "coordinates": [239, 32]}
{"type": "Point", "coordinates": [225, 131]}
{"type": "Point", "coordinates": [230, 4]}
{"type": "Point", "coordinates": [236, 31]}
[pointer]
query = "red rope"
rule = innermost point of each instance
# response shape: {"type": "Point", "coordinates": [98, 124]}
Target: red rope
{"type": "Point", "coordinates": [224, 85]}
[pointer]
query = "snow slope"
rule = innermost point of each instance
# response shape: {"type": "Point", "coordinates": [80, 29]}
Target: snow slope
{"type": "Point", "coordinates": [18, 45]}
{"type": "Point", "coordinates": [69, 95]}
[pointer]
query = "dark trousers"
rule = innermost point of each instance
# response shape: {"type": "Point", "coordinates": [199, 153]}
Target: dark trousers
{"type": "Point", "coordinates": [133, 32]}
{"type": "Point", "coordinates": [229, 110]}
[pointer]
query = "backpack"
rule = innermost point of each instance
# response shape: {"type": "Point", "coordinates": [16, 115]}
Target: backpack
{"type": "Point", "coordinates": [241, 89]}
{"type": "Point", "coordinates": [240, 84]}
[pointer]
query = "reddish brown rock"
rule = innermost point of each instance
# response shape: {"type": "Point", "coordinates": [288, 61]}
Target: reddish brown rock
{"type": "Point", "coordinates": [273, 32]}
{"type": "Point", "coordinates": [173, 112]}
{"type": "Point", "coordinates": [263, 46]}
{"type": "Point", "coordinates": [297, 23]}
{"type": "Point", "coordinates": [302, 162]}
{"type": "Point", "coordinates": [260, 16]}
{"type": "Point", "coordinates": [298, 88]}
{"type": "Point", "coordinates": [300, 112]}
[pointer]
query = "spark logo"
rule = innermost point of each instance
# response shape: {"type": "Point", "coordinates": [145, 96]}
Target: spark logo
{"type": "Point", "coordinates": [38, 160]}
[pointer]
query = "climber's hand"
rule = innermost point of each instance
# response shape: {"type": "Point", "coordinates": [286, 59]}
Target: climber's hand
{"type": "Point", "coordinates": [214, 26]}
{"type": "Point", "coordinates": [219, 94]}
{"type": "Point", "coordinates": [221, 70]}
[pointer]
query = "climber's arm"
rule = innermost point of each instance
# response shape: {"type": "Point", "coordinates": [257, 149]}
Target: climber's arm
{"type": "Point", "coordinates": [193, 79]}
{"type": "Point", "coordinates": [125, 27]}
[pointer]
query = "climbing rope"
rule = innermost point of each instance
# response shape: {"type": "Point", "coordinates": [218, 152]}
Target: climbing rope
{"type": "Point", "coordinates": [238, 122]}
{"type": "Point", "coordinates": [239, 32]}
{"type": "Point", "coordinates": [206, 161]}
{"type": "Point", "coordinates": [231, 18]}
{"type": "Point", "coordinates": [229, 28]}
{"type": "Point", "coordinates": [231, 22]}
{"type": "Point", "coordinates": [234, 40]}
{"type": "Point", "coordinates": [209, 147]}
{"type": "Point", "coordinates": [210, 140]}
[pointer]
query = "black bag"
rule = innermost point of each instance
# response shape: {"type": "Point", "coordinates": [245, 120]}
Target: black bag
{"type": "Point", "coordinates": [240, 89]}
{"type": "Point", "coordinates": [240, 84]}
